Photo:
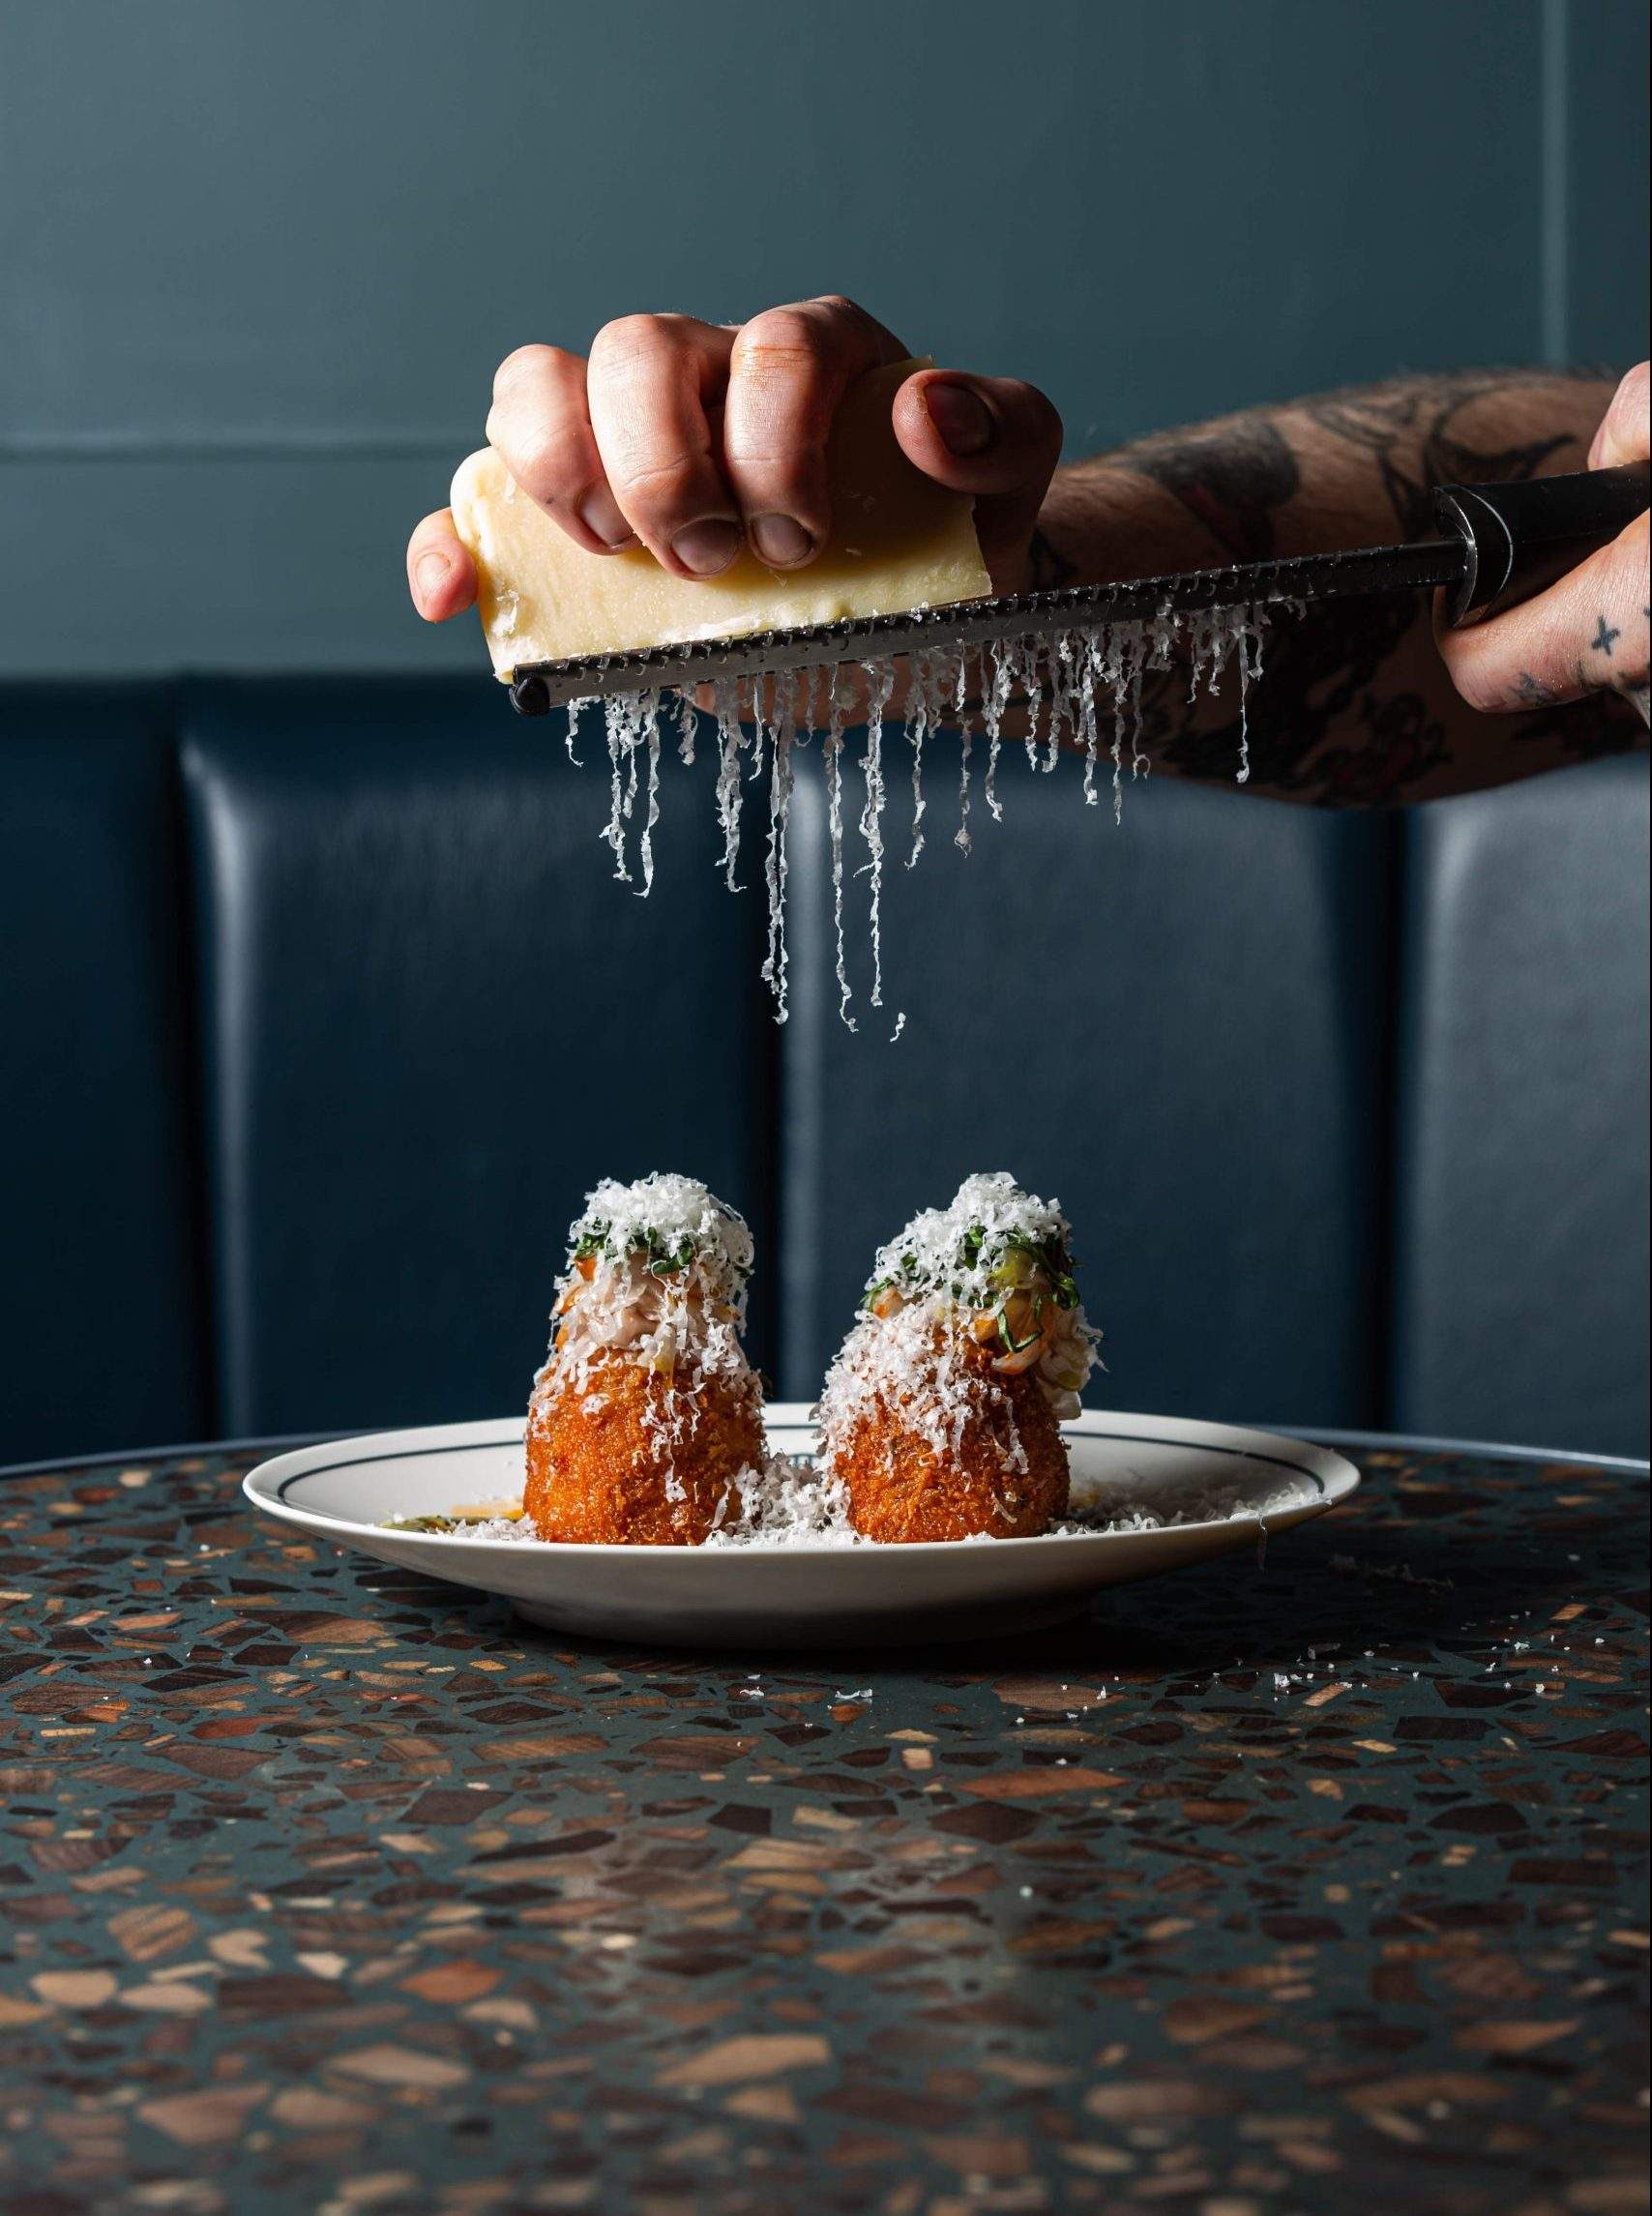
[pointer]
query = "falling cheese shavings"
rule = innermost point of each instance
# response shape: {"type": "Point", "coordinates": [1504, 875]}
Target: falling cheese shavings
{"type": "Point", "coordinates": [835, 831]}
{"type": "Point", "coordinates": [880, 682]}
{"type": "Point", "coordinates": [1066, 685]}
{"type": "Point", "coordinates": [780, 782]}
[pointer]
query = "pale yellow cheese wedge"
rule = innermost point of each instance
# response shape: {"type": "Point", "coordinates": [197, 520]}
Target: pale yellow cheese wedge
{"type": "Point", "coordinates": [897, 543]}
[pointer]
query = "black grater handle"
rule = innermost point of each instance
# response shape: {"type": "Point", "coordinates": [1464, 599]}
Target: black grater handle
{"type": "Point", "coordinates": [1520, 538]}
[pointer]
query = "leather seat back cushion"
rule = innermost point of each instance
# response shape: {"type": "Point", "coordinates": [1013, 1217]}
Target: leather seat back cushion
{"type": "Point", "coordinates": [104, 1320]}
{"type": "Point", "coordinates": [1176, 1026]}
{"type": "Point", "coordinates": [431, 1021]}
{"type": "Point", "coordinates": [1520, 1309]}
{"type": "Point", "coordinates": [320, 1010]}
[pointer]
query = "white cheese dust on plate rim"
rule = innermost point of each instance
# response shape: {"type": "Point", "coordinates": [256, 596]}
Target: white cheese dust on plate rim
{"type": "Point", "coordinates": [819, 1587]}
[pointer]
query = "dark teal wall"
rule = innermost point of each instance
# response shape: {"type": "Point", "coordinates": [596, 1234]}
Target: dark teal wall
{"type": "Point", "coordinates": [259, 260]}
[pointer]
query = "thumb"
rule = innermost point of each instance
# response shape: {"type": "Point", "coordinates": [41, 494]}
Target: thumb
{"type": "Point", "coordinates": [992, 436]}
{"type": "Point", "coordinates": [1623, 435]}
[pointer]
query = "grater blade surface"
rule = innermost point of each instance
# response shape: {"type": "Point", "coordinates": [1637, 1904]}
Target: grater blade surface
{"type": "Point", "coordinates": [537, 688]}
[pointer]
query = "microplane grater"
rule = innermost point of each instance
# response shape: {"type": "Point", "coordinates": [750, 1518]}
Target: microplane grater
{"type": "Point", "coordinates": [1504, 543]}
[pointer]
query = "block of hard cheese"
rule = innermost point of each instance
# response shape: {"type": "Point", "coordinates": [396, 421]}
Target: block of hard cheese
{"type": "Point", "coordinates": [898, 541]}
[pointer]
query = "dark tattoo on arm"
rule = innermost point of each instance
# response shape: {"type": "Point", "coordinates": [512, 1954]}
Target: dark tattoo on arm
{"type": "Point", "coordinates": [1410, 430]}
{"type": "Point", "coordinates": [1349, 711]}
{"type": "Point", "coordinates": [1231, 483]}
{"type": "Point", "coordinates": [1335, 736]}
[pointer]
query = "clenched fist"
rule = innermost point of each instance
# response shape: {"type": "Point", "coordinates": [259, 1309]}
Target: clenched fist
{"type": "Point", "coordinates": [697, 438]}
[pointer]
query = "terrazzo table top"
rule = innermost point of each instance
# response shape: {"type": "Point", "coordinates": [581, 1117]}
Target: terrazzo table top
{"type": "Point", "coordinates": [1312, 1885]}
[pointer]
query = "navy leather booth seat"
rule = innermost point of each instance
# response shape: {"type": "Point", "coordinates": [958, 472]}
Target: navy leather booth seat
{"type": "Point", "coordinates": [320, 1010]}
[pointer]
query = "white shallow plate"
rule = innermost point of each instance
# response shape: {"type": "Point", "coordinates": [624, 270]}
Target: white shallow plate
{"type": "Point", "coordinates": [806, 1595]}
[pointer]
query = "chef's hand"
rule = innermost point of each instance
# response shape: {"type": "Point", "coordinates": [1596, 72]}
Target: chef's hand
{"type": "Point", "coordinates": [1588, 632]}
{"type": "Point", "coordinates": [698, 438]}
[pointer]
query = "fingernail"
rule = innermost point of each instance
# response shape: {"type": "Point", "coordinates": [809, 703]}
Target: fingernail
{"type": "Point", "coordinates": [962, 418]}
{"type": "Point", "coordinates": [430, 574]}
{"type": "Point", "coordinates": [707, 548]}
{"type": "Point", "coordinates": [601, 513]}
{"type": "Point", "coordinates": [782, 540]}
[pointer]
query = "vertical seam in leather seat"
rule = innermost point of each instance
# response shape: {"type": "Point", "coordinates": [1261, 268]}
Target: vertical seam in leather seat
{"type": "Point", "coordinates": [168, 717]}
{"type": "Point", "coordinates": [203, 974]}
{"type": "Point", "coordinates": [1394, 1059]}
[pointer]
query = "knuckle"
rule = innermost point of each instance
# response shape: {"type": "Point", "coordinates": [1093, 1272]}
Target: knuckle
{"type": "Point", "coordinates": [792, 478]}
{"type": "Point", "coordinates": [792, 459]}
{"type": "Point", "coordinates": [528, 364]}
{"type": "Point", "coordinates": [550, 460]}
{"type": "Point", "coordinates": [849, 323]}
{"type": "Point", "coordinates": [653, 488]}
{"type": "Point", "coordinates": [633, 338]}
{"type": "Point", "coordinates": [780, 335]}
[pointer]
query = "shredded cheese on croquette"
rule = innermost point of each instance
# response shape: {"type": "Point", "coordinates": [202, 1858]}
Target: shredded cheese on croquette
{"type": "Point", "coordinates": [671, 1225]}
{"type": "Point", "coordinates": [958, 1249]}
{"type": "Point", "coordinates": [966, 1297]}
{"type": "Point", "coordinates": [910, 1370]}
{"type": "Point", "coordinates": [655, 1274]}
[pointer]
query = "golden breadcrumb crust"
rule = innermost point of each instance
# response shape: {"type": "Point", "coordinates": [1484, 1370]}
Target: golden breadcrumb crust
{"type": "Point", "coordinates": [596, 1476]}
{"type": "Point", "coordinates": [901, 1489]}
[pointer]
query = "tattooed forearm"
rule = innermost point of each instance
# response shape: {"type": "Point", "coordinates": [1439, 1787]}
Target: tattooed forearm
{"type": "Point", "coordinates": [1322, 728]}
{"type": "Point", "coordinates": [1233, 482]}
{"type": "Point", "coordinates": [1420, 432]}
{"type": "Point", "coordinates": [1355, 706]}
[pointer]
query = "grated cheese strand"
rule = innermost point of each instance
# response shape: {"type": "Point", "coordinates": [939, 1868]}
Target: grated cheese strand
{"type": "Point", "coordinates": [960, 708]}
{"type": "Point", "coordinates": [688, 729]}
{"type": "Point", "coordinates": [1062, 679]}
{"type": "Point", "coordinates": [833, 746]}
{"type": "Point", "coordinates": [725, 707]}
{"type": "Point", "coordinates": [651, 731]}
{"type": "Point", "coordinates": [780, 782]}
{"type": "Point", "coordinates": [920, 710]}
{"type": "Point", "coordinates": [880, 676]}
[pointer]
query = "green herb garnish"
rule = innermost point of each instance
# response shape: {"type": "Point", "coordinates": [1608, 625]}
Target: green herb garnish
{"type": "Point", "coordinates": [663, 1261]}
{"type": "Point", "coordinates": [1000, 1317]}
{"type": "Point", "coordinates": [1049, 1256]}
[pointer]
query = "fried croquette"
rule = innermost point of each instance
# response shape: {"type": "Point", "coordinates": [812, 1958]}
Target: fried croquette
{"type": "Point", "coordinates": [942, 1413]}
{"type": "Point", "coordinates": [646, 1410]}
{"type": "Point", "coordinates": [597, 1475]}
{"type": "Point", "coordinates": [1003, 1471]}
